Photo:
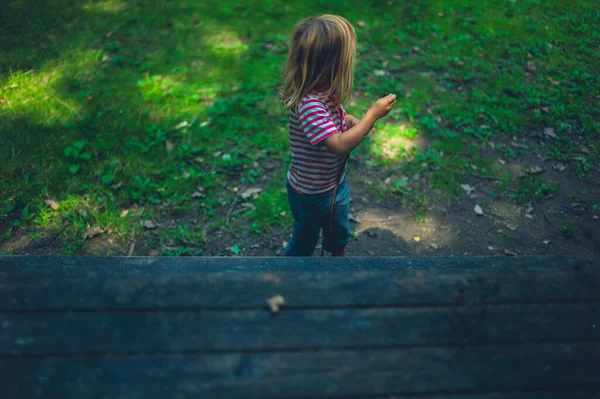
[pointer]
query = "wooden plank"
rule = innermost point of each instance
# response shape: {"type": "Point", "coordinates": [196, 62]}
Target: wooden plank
{"type": "Point", "coordinates": [180, 331]}
{"type": "Point", "coordinates": [241, 290]}
{"type": "Point", "coordinates": [557, 393]}
{"type": "Point", "coordinates": [134, 265]}
{"type": "Point", "coordinates": [307, 374]}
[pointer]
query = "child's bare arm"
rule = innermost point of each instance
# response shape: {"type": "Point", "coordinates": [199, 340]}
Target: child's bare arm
{"type": "Point", "coordinates": [351, 121]}
{"type": "Point", "coordinates": [343, 144]}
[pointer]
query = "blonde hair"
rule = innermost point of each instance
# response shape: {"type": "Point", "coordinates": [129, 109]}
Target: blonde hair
{"type": "Point", "coordinates": [322, 52]}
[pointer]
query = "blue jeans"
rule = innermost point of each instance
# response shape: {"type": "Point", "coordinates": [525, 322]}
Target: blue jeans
{"type": "Point", "coordinates": [311, 213]}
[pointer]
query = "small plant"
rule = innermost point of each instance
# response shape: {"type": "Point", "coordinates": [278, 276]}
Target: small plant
{"type": "Point", "coordinates": [76, 154]}
{"type": "Point", "coordinates": [567, 231]}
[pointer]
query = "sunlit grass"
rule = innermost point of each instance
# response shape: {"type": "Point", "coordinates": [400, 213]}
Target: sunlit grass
{"type": "Point", "coordinates": [111, 6]}
{"type": "Point", "coordinates": [395, 142]}
{"type": "Point", "coordinates": [226, 43]}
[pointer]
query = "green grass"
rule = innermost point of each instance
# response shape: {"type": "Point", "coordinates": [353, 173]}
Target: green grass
{"type": "Point", "coordinates": [117, 105]}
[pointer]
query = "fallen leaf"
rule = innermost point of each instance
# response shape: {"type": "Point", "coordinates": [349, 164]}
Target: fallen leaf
{"type": "Point", "coordinates": [416, 49]}
{"type": "Point", "coordinates": [182, 125]}
{"type": "Point", "coordinates": [478, 211]}
{"type": "Point", "coordinates": [534, 170]}
{"type": "Point", "coordinates": [529, 209]}
{"type": "Point", "coordinates": [254, 246]}
{"type": "Point", "coordinates": [530, 66]}
{"type": "Point", "coordinates": [379, 72]}
{"type": "Point", "coordinates": [585, 150]}
{"type": "Point", "coordinates": [198, 194]}
{"type": "Point", "coordinates": [546, 242]}
{"type": "Point", "coordinates": [509, 253]}
{"type": "Point", "coordinates": [226, 157]}
{"type": "Point", "coordinates": [92, 232]}
{"type": "Point", "coordinates": [559, 166]}
{"type": "Point", "coordinates": [491, 248]}
{"type": "Point", "coordinates": [149, 224]}
{"type": "Point", "coordinates": [467, 188]}
{"type": "Point", "coordinates": [595, 217]}
{"type": "Point", "coordinates": [275, 303]}
{"type": "Point", "coordinates": [124, 213]}
{"type": "Point", "coordinates": [282, 213]}
{"type": "Point", "coordinates": [205, 123]}
{"type": "Point", "coordinates": [169, 146]}
{"type": "Point", "coordinates": [510, 226]}
{"type": "Point", "coordinates": [249, 205]}
{"type": "Point", "coordinates": [186, 174]}
{"type": "Point", "coordinates": [154, 252]}
{"type": "Point", "coordinates": [284, 244]}
{"type": "Point", "coordinates": [52, 204]}
{"type": "Point", "coordinates": [251, 192]}
{"type": "Point", "coordinates": [528, 216]}
{"type": "Point", "coordinates": [417, 238]}
{"type": "Point", "coordinates": [549, 133]}
{"type": "Point", "coordinates": [434, 245]}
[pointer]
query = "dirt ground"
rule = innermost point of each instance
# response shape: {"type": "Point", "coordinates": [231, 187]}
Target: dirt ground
{"type": "Point", "coordinates": [562, 223]}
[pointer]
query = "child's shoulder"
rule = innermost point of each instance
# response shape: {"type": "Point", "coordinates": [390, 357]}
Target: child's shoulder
{"type": "Point", "coordinates": [313, 99]}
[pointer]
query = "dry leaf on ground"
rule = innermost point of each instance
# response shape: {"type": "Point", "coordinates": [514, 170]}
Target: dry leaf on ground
{"type": "Point", "coordinates": [251, 192]}
{"type": "Point", "coordinates": [52, 204]}
{"type": "Point", "coordinates": [467, 188]}
{"type": "Point", "coordinates": [534, 170]}
{"type": "Point", "coordinates": [92, 232]}
{"type": "Point", "coordinates": [275, 303]}
{"type": "Point", "coordinates": [478, 211]}
{"type": "Point", "coordinates": [149, 224]}
{"type": "Point", "coordinates": [549, 133]}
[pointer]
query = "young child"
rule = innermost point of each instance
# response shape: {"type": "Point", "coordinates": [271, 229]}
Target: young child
{"type": "Point", "coordinates": [318, 77]}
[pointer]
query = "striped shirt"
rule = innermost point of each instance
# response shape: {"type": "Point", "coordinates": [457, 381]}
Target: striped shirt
{"type": "Point", "coordinates": [314, 168]}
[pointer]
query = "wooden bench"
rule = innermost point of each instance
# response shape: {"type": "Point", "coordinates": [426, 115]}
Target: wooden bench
{"type": "Point", "coordinates": [437, 328]}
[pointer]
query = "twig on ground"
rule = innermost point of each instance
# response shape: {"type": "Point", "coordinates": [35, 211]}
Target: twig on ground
{"type": "Point", "coordinates": [131, 249]}
{"type": "Point", "coordinates": [485, 177]}
{"type": "Point", "coordinates": [195, 165]}
{"type": "Point", "coordinates": [231, 209]}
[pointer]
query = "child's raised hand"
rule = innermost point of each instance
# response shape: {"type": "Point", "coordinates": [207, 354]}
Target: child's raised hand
{"type": "Point", "coordinates": [382, 106]}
